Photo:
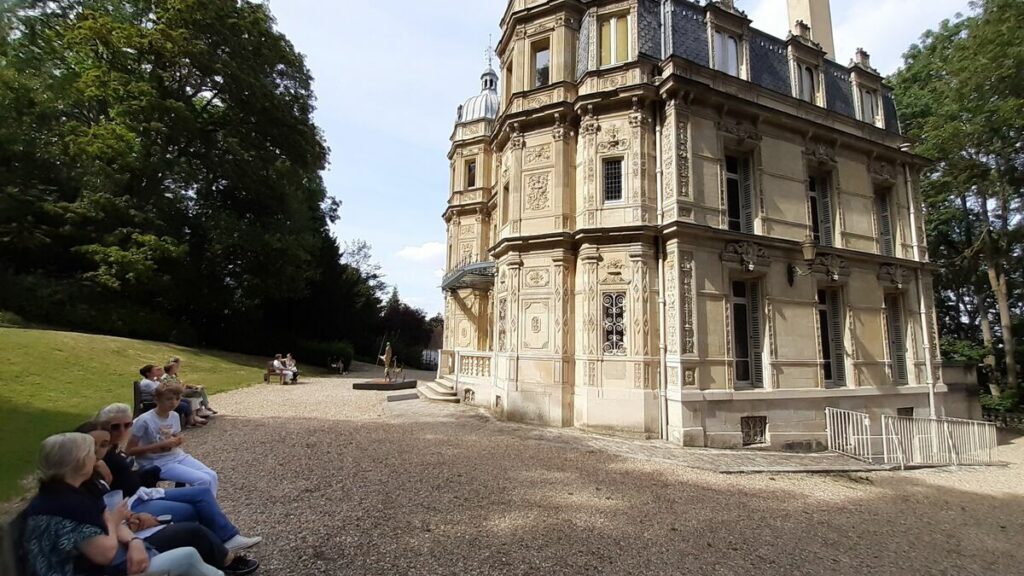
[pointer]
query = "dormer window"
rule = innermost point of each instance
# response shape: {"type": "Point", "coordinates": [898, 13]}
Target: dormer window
{"type": "Point", "coordinates": [614, 48]}
{"type": "Point", "coordinates": [869, 106]}
{"type": "Point", "coordinates": [727, 53]}
{"type": "Point", "coordinates": [808, 86]}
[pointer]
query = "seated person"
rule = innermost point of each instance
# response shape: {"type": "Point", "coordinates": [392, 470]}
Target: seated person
{"type": "Point", "coordinates": [151, 376]}
{"type": "Point", "coordinates": [182, 504]}
{"type": "Point", "coordinates": [281, 368]}
{"type": "Point", "coordinates": [289, 363]}
{"type": "Point", "coordinates": [162, 537]}
{"type": "Point", "coordinates": [171, 375]}
{"type": "Point", "coordinates": [156, 441]}
{"type": "Point", "coordinates": [68, 532]}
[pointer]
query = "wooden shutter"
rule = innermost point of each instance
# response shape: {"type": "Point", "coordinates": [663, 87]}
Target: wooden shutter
{"type": "Point", "coordinates": [825, 209]}
{"type": "Point", "coordinates": [897, 343]}
{"type": "Point", "coordinates": [835, 313]}
{"type": "Point", "coordinates": [746, 196]}
{"type": "Point", "coordinates": [885, 225]}
{"type": "Point", "coordinates": [756, 340]}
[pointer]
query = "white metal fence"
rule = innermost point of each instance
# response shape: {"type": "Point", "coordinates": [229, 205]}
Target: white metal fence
{"type": "Point", "coordinates": [940, 441]}
{"type": "Point", "coordinates": [906, 440]}
{"type": "Point", "coordinates": [849, 433]}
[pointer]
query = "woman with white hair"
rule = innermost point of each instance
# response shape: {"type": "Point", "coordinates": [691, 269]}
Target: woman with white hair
{"type": "Point", "coordinates": [68, 532]}
{"type": "Point", "coordinates": [196, 504]}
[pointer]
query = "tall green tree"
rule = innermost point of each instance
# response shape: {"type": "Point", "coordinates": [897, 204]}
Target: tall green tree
{"type": "Point", "coordinates": [960, 93]}
{"type": "Point", "coordinates": [160, 167]}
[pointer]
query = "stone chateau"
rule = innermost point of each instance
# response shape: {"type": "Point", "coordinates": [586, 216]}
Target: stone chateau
{"type": "Point", "coordinates": [666, 223]}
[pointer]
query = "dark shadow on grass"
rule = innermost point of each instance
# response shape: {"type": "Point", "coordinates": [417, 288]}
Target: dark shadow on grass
{"type": "Point", "coordinates": [22, 429]}
{"type": "Point", "coordinates": [471, 497]}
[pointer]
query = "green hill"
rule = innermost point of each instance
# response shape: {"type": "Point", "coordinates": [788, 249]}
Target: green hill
{"type": "Point", "coordinates": [52, 381]}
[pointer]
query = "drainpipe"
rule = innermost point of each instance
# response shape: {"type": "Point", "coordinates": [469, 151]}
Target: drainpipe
{"type": "Point", "coordinates": [922, 301]}
{"type": "Point", "coordinates": [659, 246]}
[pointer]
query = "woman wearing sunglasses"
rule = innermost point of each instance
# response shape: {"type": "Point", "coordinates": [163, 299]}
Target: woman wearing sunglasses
{"type": "Point", "coordinates": [182, 504]}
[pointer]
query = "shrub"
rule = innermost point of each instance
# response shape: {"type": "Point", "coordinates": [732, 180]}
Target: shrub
{"type": "Point", "coordinates": [10, 319]}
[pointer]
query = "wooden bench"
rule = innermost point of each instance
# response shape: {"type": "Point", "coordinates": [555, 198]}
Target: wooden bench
{"type": "Point", "coordinates": [273, 373]}
{"type": "Point", "coordinates": [138, 404]}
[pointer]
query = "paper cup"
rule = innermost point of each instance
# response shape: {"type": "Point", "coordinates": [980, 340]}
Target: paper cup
{"type": "Point", "coordinates": [113, 499]}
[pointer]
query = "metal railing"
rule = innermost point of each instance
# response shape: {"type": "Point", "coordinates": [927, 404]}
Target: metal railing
{"type": "Point", "coordinates": [906, 440]}
{"type": "Point", "coordinates": [849, 433]}
{"type": "Point", "coordinates": [940, 441]}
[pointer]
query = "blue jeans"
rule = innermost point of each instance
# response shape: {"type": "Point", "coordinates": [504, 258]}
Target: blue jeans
{"type": "Point", "coordinates": [185, 409]}
{"type": "Point", "coordinates": [191, 505]}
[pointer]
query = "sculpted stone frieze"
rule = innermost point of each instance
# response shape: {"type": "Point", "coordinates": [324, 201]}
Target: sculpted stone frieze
{"type": "Point", "coordinates": [538, 196]}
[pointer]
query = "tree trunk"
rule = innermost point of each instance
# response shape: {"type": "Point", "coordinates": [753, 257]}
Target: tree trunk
{"type": "Point", "coordinates": [997, 278]}
{"type": "Point", "coordinates": [990, 359]}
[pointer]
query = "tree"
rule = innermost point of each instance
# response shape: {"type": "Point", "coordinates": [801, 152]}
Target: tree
{"type": "Point", "coordinates": [960, 93]}
{"type": "Point", "coordinates": [160, 175]}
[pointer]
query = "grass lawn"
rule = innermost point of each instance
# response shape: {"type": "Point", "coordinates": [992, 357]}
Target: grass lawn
{"type": "Point", "coordinates": [53, 381]}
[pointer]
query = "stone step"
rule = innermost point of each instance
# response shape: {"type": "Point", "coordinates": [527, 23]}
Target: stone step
{"type": "Point", "coordinates": [429, 393]}
{"type": "Point", "coordinates": [439, 388]}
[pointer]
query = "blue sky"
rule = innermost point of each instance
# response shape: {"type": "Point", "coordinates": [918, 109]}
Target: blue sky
{"type": "Point", "coordinates": [389, 76]}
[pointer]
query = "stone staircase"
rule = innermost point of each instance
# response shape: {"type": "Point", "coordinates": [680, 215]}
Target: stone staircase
{"type": "Point", "coordinates": [438, 390]}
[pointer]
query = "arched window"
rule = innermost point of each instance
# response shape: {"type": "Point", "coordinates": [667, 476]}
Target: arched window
{"type": "Point", "coordinates": [727, 54]}
{"type": "Point", "coordinates": [807, 89]}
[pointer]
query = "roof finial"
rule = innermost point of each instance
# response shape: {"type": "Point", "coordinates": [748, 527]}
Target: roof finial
{"type": "Point", "coordinates": [489, 52]}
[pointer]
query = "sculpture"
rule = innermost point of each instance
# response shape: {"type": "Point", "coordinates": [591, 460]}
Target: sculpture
{"type": "Point", "coordinates": [388, 359]}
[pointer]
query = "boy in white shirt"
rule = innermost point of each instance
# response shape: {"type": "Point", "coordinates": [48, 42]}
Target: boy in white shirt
{"type": "Point", "coordinates": [156, 441]}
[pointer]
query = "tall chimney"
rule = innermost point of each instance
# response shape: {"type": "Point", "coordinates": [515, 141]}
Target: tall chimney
{"type": "Point", "coordinates": [818, 15]}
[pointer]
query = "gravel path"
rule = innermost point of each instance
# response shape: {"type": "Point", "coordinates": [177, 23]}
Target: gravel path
{"type": "Point", "coordinates": [343, 482]}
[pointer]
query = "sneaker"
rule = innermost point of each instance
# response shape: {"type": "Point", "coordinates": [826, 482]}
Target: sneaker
{"type": "Point", "coordinates": [240, 542]}
{"type": "Point", "coordinates": [241, 566]}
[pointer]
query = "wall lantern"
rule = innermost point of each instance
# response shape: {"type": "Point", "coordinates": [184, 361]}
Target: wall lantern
{"type": "Point", "coordinates": [809, 250]}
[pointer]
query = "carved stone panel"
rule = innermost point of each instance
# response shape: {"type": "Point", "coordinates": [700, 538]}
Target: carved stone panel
{"type": "Point", "coordinates": [536, 322]}
{"type": "Point", "coordinates": [538, 194]}
{"type": "Point", "coordinates": [535, 155]}
{"type": "Point", "coordinates": [537, 277]}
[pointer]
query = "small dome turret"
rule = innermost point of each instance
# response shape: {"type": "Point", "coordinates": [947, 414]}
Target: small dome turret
{"type": "Point", "coordinates": [485, 105]}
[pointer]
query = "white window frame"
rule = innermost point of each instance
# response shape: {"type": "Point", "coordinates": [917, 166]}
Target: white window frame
{"type": "Point", "coordinates": [613, 20]}
{"type": "Point", "coordinates": [622, 173]}
{"type": "Point", "coordinates": [806, 68]}
{"type": "Point", "coordinates": [717, 62]}
{"type": "Point", "coordinates": [875, 98]}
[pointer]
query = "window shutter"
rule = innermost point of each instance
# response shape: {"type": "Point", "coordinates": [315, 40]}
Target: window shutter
{"type": "Point", "coordinates": [756, 340]}
{"type": "Point", "coordinates": [885, 225]}
{"type": "Point", "coordinates": [897, 344]}
{"type": "Point", "coordinates": [835, 311]}
{"type": "Point", "coordinates": [747, 196]}
{"type": "Point", "coordinates": [825, 210]}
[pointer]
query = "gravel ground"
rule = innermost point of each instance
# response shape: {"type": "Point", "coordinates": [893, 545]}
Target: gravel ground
{"type": "Point", "coordinates": [342, 482]}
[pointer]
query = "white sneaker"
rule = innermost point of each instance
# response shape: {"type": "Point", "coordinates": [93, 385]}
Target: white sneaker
{"type": "Point", "coordinates": [240, 542]}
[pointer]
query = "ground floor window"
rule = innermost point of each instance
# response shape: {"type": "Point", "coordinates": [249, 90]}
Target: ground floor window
{"type": "Point", "coordinates": [614, 305]}
{"type": "Point", "coordinates": [748, 369]}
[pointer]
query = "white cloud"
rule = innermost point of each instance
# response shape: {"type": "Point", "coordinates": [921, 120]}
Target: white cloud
{"type": "Point", "coordinates": [427, 252]}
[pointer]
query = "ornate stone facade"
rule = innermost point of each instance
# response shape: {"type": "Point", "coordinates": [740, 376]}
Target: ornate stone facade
{"type": "Point", "coordinates": [646, 223]}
